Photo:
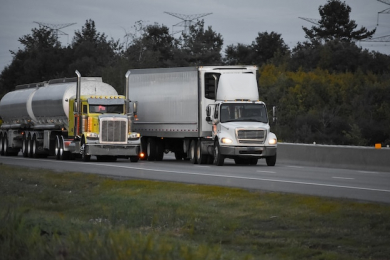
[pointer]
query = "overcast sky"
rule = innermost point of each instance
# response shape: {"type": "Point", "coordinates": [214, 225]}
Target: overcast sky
{"type": "Point", "coordinates": [237, 21]}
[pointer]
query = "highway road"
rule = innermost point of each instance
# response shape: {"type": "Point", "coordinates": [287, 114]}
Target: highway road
{"type": "Point", "coordinates": [329, 182]}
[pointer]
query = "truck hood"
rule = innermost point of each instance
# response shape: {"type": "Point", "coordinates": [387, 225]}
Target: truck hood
{"type": "Point", "coordinates": [245, 124]}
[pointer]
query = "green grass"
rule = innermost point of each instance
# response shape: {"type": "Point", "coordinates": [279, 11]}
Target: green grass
{"type": "Point", "coordinates": [57, 215]}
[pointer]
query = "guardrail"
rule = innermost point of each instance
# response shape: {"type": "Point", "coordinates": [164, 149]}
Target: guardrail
{"type": "Point", "coordinates": [334, 156]}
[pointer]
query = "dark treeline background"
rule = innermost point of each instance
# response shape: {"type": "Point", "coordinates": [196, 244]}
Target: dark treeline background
{"type": "Point", "coordinates": [327, 89]}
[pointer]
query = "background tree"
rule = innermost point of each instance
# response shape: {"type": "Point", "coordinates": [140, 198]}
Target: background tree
{"type": "Point", "coordinates": [200, 46]}
{"type": "Point", "coordinates": [265, 47]}
{"type": "Point", "coordinates": [92, 51]}
{"type": "Point", "coordinates": [335, 24]}
{"type": "Point", "coordinates": [41, 58]}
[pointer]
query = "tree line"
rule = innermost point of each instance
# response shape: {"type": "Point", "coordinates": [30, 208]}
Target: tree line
{"type": "Point", "coordinates": [327, 88]}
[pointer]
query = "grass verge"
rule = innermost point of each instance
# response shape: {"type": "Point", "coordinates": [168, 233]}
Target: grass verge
{"type": "Point", "coordinates": [51, 215]}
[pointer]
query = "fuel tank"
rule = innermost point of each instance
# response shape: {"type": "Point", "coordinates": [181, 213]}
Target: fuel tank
{"type": "Point", "coordinates": [46, 105]}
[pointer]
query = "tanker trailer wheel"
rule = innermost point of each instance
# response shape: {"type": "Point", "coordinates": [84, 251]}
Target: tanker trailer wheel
{"type": "Point", "coordinates": [57, 148]}
{"type": "Point", "coordinates": [1, 144]}
{"type": "Point", "coordinates": [218, 157]}
{"type": "Point", "coordinates": [34, 147]}
{"type": "Point", "coordinates": [193, 148]}
{"type": "Point", "coordinates": [25, 146]}
{"type": "Point", "coordinates": [84, 156]}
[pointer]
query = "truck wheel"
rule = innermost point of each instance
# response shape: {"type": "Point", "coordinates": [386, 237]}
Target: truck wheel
{"type": "Point", "coordinates": [134, 158]}
{"type": "Point", "coordinates": [159, 150]}
{"type": "Point", "coordinates": [63, 155]}
{"type": "Point", "coordinates": [144, 147]}
{"type": "Point", "coordinates": [25, 146]}
{"type": "Point", "coordinates": [193, 149]}
{"type": "Point", "coordinates": [84, 156]}
{"type": "Point", "coordinates": [1, 145]}
{"type": "Point", "coordinates": [218, 157]}
{"type": "Point", "coordinates": [57, 148]}
{"type": "Point", "coordinates": [5, 145]}
{"type": "Point", "coordinates": [271, 160]}
{"type": "Point", "coordinates": [34, 147]}
{"type": "Point", "coordinates": [151, 149]}
{"type": "Point", "coordinates": [253, 161]}
{"type": "Point", "coordinates": [179, 156]}
{"type": "Point", "coordinates": [200, 156]}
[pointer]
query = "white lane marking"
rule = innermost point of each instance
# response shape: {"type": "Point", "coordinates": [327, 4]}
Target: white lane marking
{"type": "Point", "coordinates": [343, 178]}
{"type": "Point", "coordinates": [266, 171]}
{"type": "Point", "coordinates": [218, 175]}
{"type": "Point", "coordinates": [368, 172]}
{"type": "Point", "coordinates": [292, 166]}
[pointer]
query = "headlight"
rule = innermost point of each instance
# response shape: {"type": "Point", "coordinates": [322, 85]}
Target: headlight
{"type": "Point", "coordinates": [134, 136]}
{"type": "Point", "coordinates": [226, 140]}
{"type": "Point", "coordinates": [272, 141]}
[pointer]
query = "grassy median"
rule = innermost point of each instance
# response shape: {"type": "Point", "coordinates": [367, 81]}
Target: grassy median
{"type": "Point", "coordinates": [67, 215]}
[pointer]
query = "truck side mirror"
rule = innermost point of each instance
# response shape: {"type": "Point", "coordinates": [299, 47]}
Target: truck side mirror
{"type": "Point", "coordinates": [135, 105]}
{"type": "Point", "coordinates": [274, 118]}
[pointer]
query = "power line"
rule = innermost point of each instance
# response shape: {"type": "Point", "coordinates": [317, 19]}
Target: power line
{"type": "Point", "coordinates": [55, 28]}
{"type": "Point", "coordinates": [187, 20]}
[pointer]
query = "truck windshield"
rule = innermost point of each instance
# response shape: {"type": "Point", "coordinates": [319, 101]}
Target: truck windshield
{"type": "Point", "coordinates": [116, 109]}
{"type": "Point", "coordinates": [243, 112]}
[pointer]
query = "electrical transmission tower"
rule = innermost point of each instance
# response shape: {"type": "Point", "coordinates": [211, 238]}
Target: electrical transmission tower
{"type": "Point", "coordinates": [310, 20]}
{"type": "Point", "coordinates": [386, 11]}
{"type": "Point", "coordinates": [55, 28]}
{"type": "Point", "coordinates": [187, 20]}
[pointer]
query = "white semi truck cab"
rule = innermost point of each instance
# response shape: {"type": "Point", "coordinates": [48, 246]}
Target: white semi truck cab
{"type": "Point", "coordinates": [204, 114]}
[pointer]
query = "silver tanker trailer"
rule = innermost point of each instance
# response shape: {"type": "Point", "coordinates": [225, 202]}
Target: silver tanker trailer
{"type": "Point", "coordinates": [68, 118]}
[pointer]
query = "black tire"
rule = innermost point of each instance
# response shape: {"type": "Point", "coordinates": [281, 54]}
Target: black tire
{"type": "Point", "coordinates": [64, 155]}
{"type": "Point", "coordinates": [200, 156]}
{"type": "Point", "coordinates": [5, 145]}
{"type": "Point", "coordinates": [25, 146]}
{"type": "Point", "coordinates": [218, 157]}
{"type": "Point", "coordinates": [253, 161]}
{"type": "Point", "coordinates": [271, 160]}
{"type": "Point", "coordinates": [134, 158]}
{"type": "Point", "coordinates": [1, 145]}
{"type": "Point", "coordinates": [144, 145]}
{"type": "Point", "coordinates": [57, 148]}
{"type": "Point", "coordinates": [193, 148]}
{"type": "Point", "coordinates": [84, 156]}
{"type": "Point", "coordinates": [179, 156]}
{"type": "Point", "coordinates": [159, 150]}
{"type": "Point", "coordinates": [34, 147]}
{"type": "Point", "coordinates": [151, 149]}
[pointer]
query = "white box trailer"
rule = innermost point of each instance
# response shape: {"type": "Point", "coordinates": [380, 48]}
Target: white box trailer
{"type": "Point", "coordinates": [184, 110]}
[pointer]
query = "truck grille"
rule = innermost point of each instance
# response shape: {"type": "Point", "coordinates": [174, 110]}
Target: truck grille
{"type": "Point", "coordinates": [251, 136]}
{"type": "Point", "coordinates": [113, 130]}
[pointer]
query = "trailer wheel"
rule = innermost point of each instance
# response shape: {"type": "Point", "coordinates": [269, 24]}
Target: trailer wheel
{"type": "Point", "coordinates": [134, 158]}
{"type": "Point", "coordinates": [4, 145]}
{"type": "Point", "coordinates": [218, 157]}
{"type": "Point", "coordinates": [144, 147]}
{"type": "Point", "coordinates": [25, 146]}
{"type": "Point", "coordinates": [57, 148]}
{"type": "Point", "coordinates": [159, 150]}
{"type": "Point", "coordinates": [151, 149]}
{"type": "Point", "coordinates": [200, 156]}
{"type": "Point", "coordinates": [1, 145]}
{"type": "Point", "coordinates": [271, 160]}
{"type": "Point", "coordinates": [193, 149]}
{"type": "Point", "coordinates": [63, 154]}
{"type": "Point", "coordinates": [34, 147]}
